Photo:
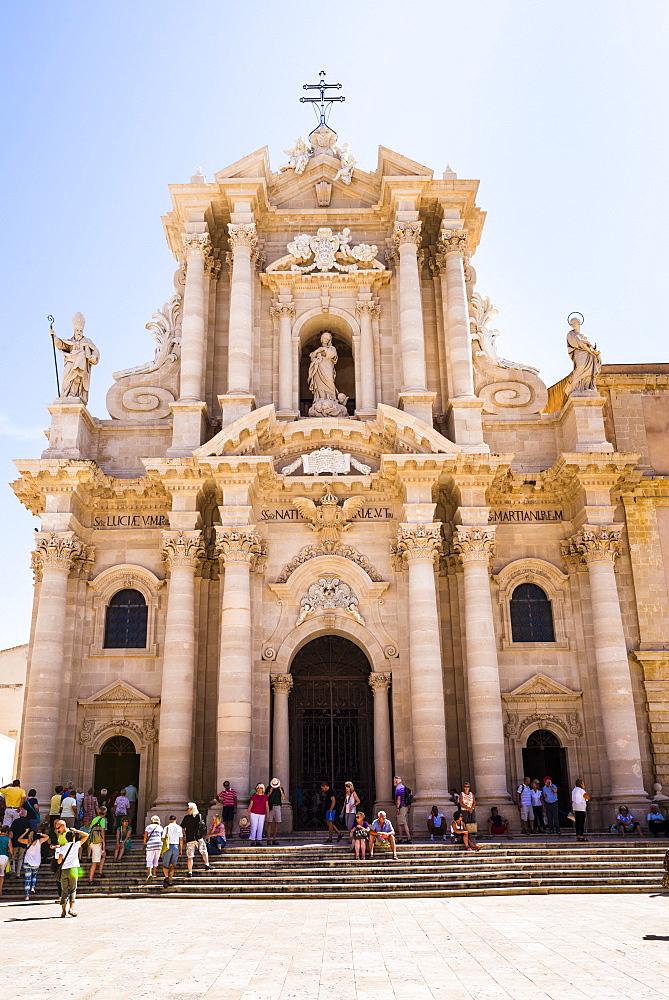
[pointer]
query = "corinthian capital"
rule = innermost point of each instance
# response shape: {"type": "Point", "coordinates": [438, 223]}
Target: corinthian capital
{"type": "Point", "coordinates": [452, 241]}
{"type": "Point", "coordinates": [281, 682]}
{"type": "Point", "coordinates": [407, 232]}
{"type": "Point", "coordinates": [282, 309]}
{"type": "Point", "coordinates": [182, 548]}
{"type": "Point", "coordinates": [594, 543]}
{"type": "Point", "coordinates": [379, 683]}
{"type": "Point", "coordinates": [196, 245]}
{"type": "Point", "coordinates": [371, 309]}
{"type": "Point", "coordinates": [212, 267]}
{"type": "Point", "coordinates": [243, 234]}
{"type": "Point", "coordinates": [56, 550]}
{"type": "Point", "coordinates": [473, 544]}
{"type": "Point", "coordinates": [239, 545]}
{"type": "Point", "coordinates": [418, 541]}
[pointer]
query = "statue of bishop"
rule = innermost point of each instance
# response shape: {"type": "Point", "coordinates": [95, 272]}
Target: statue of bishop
{"type": "Point", "coordinates": [79, 354]}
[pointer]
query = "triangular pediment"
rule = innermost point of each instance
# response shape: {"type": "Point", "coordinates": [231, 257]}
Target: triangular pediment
{"type": "Point", "coordinates": [253, 165]}
{"type": "Point", "coordinates": [297, 192]}
{"type": "Point", "coordinates": [542, 685]}
{"type": "Point", "coordinates": [392, 164]}
{"type": "Point", "coordinates": [118, 691]}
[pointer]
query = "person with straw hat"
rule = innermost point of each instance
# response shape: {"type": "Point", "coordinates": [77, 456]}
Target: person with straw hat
{"type": "Point", "coordinates": [276, 797]}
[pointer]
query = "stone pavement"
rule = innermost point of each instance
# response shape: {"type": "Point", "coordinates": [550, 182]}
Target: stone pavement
{"type": "Point", "coordinates": [520, 947]}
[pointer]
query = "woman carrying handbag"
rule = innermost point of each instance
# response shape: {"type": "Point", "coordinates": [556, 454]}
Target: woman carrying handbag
{"type": "Point", "coordinates": [349, 808]}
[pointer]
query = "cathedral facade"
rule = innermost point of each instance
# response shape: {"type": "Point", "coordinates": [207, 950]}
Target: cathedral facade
{"type": "Point", "coordinates": [328, 533]}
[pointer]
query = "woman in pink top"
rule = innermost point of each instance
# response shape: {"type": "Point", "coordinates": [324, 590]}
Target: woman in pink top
{"type": "Point", "coordinates": [257, 812]}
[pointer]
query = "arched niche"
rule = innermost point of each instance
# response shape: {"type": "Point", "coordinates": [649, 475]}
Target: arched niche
{"type": "Point", "coordinates": [345, 331]}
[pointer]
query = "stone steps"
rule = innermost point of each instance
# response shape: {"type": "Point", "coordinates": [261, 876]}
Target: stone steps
{"type": "Point", "coordinates": [313, 871]}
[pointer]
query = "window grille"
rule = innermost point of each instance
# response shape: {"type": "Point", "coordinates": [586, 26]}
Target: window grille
{"type": "Point", "coordinates": [125, 621]}
{"type": "Point", "coordinates": [531, 615]}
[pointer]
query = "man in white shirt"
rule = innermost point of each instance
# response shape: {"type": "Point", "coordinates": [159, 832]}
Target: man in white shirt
{"type": "Point", "coordinates": [175, 845]}
{"type": "Point", "coordinates": [524, 801]}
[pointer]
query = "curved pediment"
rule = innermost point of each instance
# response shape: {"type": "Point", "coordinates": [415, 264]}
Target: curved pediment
{"type": "Point", "coordinates": [392, 432]}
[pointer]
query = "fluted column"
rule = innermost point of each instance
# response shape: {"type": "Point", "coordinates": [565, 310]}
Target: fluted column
{"type": "Point", "coordinates": [282, 685]}
{"type": "Point", "coordinates": [598, 547]}
{"type": "Point", "coordinates": [284, 312]}
{"type": "Point", "coordinates": [366, 404]}
{"type": "Point", "coordinates": [418, 545]}
{"type": "Point", "coordinates": [197, 250]}
{"type": "Point", "coordinates": [412, 342]}
{"type": "Point", "coordinates": [451, 247]}
{"type": "Point", "coordinates": [238, 548]}
{"type": "Point", "coordinates": [486, 723]}
{"type": "Point", "coordinates": [383, 773]}
{"type": "Point", "coordinates": [181, 552]}
{"type": "Point", "coordinates": [53, 558]}
{"type": "Point", "coordinates": [243, 243]}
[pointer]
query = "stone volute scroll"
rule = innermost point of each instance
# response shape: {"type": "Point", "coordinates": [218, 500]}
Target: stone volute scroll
{"type": "Point", "coordinates": [79, 355]}
{"type": "Point", "coordinates": [329, 594]}
{"type": "Point", "coordinates": [585, 357]}
{"type": "Point", "coordinates": [328, 518]}
{"type": "Point", "coordinates": [148, 391]}
{"type": "Point", "coordinates": [502, 385]}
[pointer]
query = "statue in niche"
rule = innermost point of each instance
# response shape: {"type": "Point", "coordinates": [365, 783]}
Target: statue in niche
{"type": "Point", "coordinates": [328, 402]}
{"type": "Point", "coordinates": [585, 357]}
{"type": "Point", "coordinates": [79, 354]}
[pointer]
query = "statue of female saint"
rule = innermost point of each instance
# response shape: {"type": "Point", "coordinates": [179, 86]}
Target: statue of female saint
{"type": "Point", "coordinates": [327, 401]}
{"type": "Point", "coordinates": [79, 354]}
{"type": "Point", "coordinates": [585, 357]}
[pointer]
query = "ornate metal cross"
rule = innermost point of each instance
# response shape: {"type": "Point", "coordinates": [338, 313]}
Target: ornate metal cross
{"type": "Point", "coordinates": [324, 101]}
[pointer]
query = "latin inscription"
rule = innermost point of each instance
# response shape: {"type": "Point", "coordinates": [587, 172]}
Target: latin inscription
{"type": "Point", "coordinates": [131, 521]}
{"type": "Point", "coordinates": [293, 514]}
{"type": "Point", "coordinates": [518, 516]}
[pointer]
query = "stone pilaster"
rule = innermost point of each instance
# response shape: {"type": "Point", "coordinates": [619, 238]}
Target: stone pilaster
{"type": "Point", "coordinates": [598, 547]}
{"type": "Point", "coordinates": [284, 312]}
{"type": "Point", "coordinates": [366, 404]}
{"type": "Point", "coordinates": [197, 251]}
{"type": "Point", "coordinates": [181, 551]}
{"type": "Point", "coordinates": [244, 247]}
{"type": "Point", "coordinates": [383, 764]}
{"type": "Point", "coordinates": [239, 549]}
{"type": "Point", "coordinates": [464, 409]}
{"type": "Point", "coordinates": [53, 558]}
{"type": "Point", "coordinates": [418, 545]}
{"type": "Point", "coordinates": [475, 546]}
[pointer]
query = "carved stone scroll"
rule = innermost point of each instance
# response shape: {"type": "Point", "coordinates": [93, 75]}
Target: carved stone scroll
{"type": "Point", "coordinates": [329, 594]}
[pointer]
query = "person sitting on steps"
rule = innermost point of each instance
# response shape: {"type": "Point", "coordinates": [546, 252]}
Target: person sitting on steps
{"type": "Point", "coordinates": [460, 834]}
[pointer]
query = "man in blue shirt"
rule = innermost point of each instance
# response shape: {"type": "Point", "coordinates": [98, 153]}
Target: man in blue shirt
{"type": "Point", "coordinates": [382, 829]}
{"type": "Point", "coordinates": [549, 793]}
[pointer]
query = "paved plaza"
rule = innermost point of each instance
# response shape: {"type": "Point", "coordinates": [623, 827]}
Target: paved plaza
{"type": "Point", "coordinates": [604, 947]}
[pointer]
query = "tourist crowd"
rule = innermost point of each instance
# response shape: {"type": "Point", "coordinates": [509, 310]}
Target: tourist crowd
{"type": "Point", "coordinates": [100, 824]}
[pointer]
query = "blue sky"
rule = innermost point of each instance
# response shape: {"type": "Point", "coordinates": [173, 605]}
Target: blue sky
{"type": "Point", "coordinates": [559, 109]}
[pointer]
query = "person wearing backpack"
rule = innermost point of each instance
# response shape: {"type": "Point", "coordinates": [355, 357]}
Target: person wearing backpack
{"type": "Point", "coordinates": [403, 799]}
{"type": "Point", "coordinates": [195, 831]}
{"type": "Point", "coordinates": [98, 843]}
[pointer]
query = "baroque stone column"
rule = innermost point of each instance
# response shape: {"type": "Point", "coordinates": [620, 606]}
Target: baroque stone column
{"type": "Point", "coordinates": [182, 550]}
{"type": "Point", "coordinates": [282, 685]}
{"type": "Point", "coordinates": [475, 546]}
{"type": "Point", "coordinates": [238, 548]}
{"type": "Point", "coordinates": [52, 559]}
{"type": "Point", "coordinates": [464, 409]}
{"type": "Point", "coordinates": [197, 251]}
{"type": "Point", "coordinates": [418, 545]}
{"type": "Point", "coordinates": [284, 312]}
{"type": "Point", "coordinates": [243, 243]}
{"type": "Point", "coordinates": [383, 773]}
{"type": "Point", "coordinates": [598, 546]}
{"type": "Point", "coordinates": [366, 404]}
{"type": "Point", "coordinates": [412, 342]}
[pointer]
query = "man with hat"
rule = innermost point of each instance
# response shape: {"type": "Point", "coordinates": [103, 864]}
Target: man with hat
{"type": "Point", "coordinates": [549, 794]}
{"type": "Point", "coordinates": [276, 797]}
{"type": "Point", "coordinates": [175, 845]}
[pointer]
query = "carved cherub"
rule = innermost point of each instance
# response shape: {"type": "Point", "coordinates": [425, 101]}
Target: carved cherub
{"type": "Point", "coordinates": [329, 518]}
{"type": "Point", "coordinates": [298, 156]}
{"type": "Point", "coordinates": [347, 162]}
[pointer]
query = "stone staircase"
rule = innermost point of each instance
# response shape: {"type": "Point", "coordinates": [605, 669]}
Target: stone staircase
{"type": "Point", "coordinates": [312, 870]}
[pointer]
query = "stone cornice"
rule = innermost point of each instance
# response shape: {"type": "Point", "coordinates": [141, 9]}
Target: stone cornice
{"type": "Point", "coordinates": [600, 478]}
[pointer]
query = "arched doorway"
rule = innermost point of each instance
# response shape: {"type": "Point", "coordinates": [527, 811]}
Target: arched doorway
{"type": "Point", "coordinates": [331, 725]}
{"type": "Point", "coordinates": [117, 765]}
{"type": "Point", "coordinates": [544, 756]}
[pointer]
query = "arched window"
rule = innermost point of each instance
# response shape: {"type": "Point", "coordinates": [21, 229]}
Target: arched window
{"type": "Point", "coordinates": [542, 738]}
{"type": "Point", "coordinates": [125, 621]}
{"type": "Point", "coordinates": [531, 615]}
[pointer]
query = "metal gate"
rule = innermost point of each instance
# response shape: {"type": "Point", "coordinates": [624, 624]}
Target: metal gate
{"type": "Point", "coordinates": [331, 725]}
